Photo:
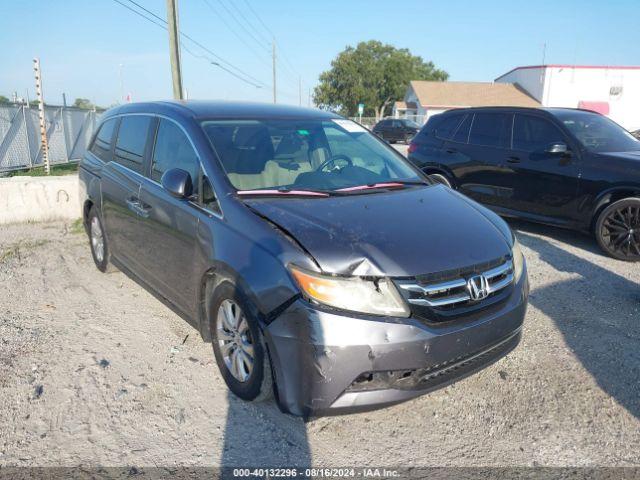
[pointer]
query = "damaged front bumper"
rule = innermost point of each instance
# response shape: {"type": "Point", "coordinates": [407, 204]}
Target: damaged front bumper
{"type": "Point", "coordinates": [327, 363]}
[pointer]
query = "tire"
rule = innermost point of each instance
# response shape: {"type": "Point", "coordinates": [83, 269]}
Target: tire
{"type": "Point", "coordinates": [439, 178]}
{"type": "Point", "coordinates": [98, 241]}
{"type": "Point", "coordinates": [617, 229]}
{"type": "Point", "coordinates": [232, 323]}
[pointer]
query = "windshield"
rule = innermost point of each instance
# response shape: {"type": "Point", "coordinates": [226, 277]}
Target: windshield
{"type": "Point", "coordinates": [411, 123]}
{"type": "Point", "coordinates": [599, 134]}
{"type": "Point", "coordinates": [306, 154]}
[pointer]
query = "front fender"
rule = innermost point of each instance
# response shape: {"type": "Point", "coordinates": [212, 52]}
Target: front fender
{"type": "Point", "coordinates": [612, 194]}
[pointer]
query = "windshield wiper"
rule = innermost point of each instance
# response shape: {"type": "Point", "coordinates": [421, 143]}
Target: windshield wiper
{"type": "Point", "coordinates": [391, 184]}
{"type": "Point", "coordinates": [283, 191]}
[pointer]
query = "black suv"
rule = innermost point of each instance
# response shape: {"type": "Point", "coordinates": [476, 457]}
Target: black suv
{"type": "Point", "coordinates": [565, 167]}
{"type": "Point", "coordinates": [396, 129]}
{"type": "Point", "coordinates": [288, 238]}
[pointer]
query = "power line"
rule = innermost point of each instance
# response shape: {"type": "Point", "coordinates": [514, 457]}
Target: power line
{"type": "Point", "coordinates": [240, 37]}
{"type": "Point", "coordinates": [259, 42]}
{"type": "Point", "coordinates": [244, 17]}
{"type": "Point", "coordinates": [254, 81]}
{"type": "Point", "coordinates": [282, 55]}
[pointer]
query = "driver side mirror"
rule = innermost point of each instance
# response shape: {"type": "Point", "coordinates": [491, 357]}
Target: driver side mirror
{"type": "Point", "coordinates": [177, 182]}
{"type": "Point", "coordinates": [558, 149]}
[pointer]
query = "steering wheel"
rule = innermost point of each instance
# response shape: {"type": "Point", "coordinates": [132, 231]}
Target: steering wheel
{"type": "Point", "coordinates": [332, 161]}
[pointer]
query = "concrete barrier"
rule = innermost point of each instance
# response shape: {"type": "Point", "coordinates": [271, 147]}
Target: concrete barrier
{"type": "Point", "coordinates": [37, 199]}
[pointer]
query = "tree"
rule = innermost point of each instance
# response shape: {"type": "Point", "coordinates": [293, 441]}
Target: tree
{"type": "Point", "coordinates": [4, 100]}
{"type": "Point", "coordinates": [83, 103]}
{"type": "Point", "coordinates": [371, 73]}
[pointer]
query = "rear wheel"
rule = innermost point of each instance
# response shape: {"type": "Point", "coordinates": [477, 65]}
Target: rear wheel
{"type": "Point", "coordinates": [98, 241]}
{"type": "Point", "coordinates": [438, 178]}
{"type": "Point", "coordinates": [618, 229]}
{"type": "Point", "coordinates": [238, 345]}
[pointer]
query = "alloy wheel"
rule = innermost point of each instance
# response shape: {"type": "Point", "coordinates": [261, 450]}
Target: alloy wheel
{"type": "Point", "coordinates": [235, 340]}
{"type": "Point", "coordinates": [621, 231]}
{"type": "Point", "coordinates": [97, 239]}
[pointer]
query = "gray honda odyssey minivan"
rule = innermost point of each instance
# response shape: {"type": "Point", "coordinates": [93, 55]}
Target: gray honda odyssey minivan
{"type": "Point", "coordinates": [320, 264]}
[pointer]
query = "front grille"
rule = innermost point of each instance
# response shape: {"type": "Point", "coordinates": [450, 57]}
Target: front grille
{"type": "Point", "coordinates": [445, 296]}
{"type": "Point", "coordinates": [452, 292]}
{"type": "Point", "coordinates": [435, 376]}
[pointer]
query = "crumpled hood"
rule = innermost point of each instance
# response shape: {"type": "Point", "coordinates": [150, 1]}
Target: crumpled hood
{"type": "Point", "coordinates": [396, 233]}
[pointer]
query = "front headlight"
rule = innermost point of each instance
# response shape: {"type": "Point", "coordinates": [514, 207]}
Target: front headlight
{"type": "Point", "coordinates": [377, 297]}
{"type": "Point", "coordinates": [518, 259]}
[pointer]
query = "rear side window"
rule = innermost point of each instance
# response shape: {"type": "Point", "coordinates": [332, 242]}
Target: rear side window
{"type": "Point", "coordinates": [101, 147]}
{"type": "Point", "coordinates": [491, 130]}
{"type": "Point", "coordinates": [462, 133]}
{"type": "Point", "coordinates": [132, 138]}
{"type": "Point", "coordinates": [173, 150]}
{"type": "Point", "coordinates": [447, 126]}
{"type": "Point", "coordinates": [534, 133]}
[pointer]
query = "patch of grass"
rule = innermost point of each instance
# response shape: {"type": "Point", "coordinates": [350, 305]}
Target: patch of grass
{"type": "Point", "coordinates": [15, 249]}
{"type": "Point", "coordinates": [66, 169]}
{"type": "Point", "coordinates": [77, 226]}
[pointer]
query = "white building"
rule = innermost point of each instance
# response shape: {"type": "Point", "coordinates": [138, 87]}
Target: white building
{"type": "Point", "coordinates": [612, 91]}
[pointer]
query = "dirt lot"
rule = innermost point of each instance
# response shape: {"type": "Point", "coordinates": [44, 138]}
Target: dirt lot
{"type": "Point", "coordinates": [93, 370]}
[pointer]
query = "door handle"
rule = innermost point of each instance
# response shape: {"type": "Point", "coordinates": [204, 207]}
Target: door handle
{"type": "Point", "coordinates": [133, 204]}
{"type": "Point", "coordinates": [451, 150]}
{"type": "Point", "coordinates": [138, 208]}
{"type": "Point", "coordinates": [513, 159]}
{"type": "Point", "coordinates": [144, 209]}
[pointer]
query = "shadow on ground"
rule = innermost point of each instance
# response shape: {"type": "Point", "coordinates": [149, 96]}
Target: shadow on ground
{"type": "Point", "coordinates": [259, 435]}
{"type": "Point", "coordinates": [597, 311]}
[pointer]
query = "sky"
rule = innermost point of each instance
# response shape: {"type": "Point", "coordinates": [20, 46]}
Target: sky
{"type": "Point", "coordinates": [98, 49]}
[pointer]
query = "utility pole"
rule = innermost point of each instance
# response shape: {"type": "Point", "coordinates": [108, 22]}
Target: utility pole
{"type": "Point", "coordinates": [174, 48]}
{"type": "Point", "coordinates": [273, 61]}
{"type": "Point", "coordinates": [43, 125]}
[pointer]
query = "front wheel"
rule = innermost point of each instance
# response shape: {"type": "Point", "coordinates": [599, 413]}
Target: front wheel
{"type": "Point", "coordinates": [238, 345]}
{"type": "Point", "coordinates": [618, 229]}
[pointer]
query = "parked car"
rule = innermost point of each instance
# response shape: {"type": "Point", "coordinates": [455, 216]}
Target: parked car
{"type": "Point", "coordinates": [312, 255]}
{"type": "Point", "coordinates": [636, 134]}
{"type": "Point", "coordinates": [565, 167]}
{"type": "Point", "coordinates": [396, 129]}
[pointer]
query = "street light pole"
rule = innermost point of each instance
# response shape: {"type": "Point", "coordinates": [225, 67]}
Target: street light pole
{"type": "Point", "coordinates": [121, 83]}
{"type": "Point", "coordinates": [174, 48]}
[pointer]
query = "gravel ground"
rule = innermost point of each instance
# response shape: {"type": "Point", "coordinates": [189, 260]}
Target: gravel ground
{"type": "Point", "coordinates": [95, 371]}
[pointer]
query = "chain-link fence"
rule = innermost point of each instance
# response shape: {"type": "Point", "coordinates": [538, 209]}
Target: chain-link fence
{"type": "Point", "coordinates": [370, 122]}
{"type": "Point", "coordinates": [68, 132]}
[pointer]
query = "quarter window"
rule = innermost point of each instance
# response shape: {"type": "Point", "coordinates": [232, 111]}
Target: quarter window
{"type": "Point", "coordinates": [533, 133]}
{"type": "Point", "coordinates": [102, 144]}
{"type": "Point", "coordinates": [491, 130]}
{"type": "Point", "coordinates": [447, 126]}
{"type": "Point", "coordinates": [173, 150]}
{"type": "Point", "coordinates": [462, 134]}
{"type": "Point", "coordinates": [132, 138]}
{"type": "Point", "coordinates": [208, 198]}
